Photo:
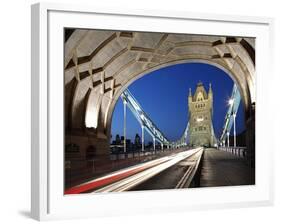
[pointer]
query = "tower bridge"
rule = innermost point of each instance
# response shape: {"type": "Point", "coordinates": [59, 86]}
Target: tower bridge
{"type": "Point", "coordinates": [100, 65]}
{"type": "Point", "coordinates": [199, 129]}
{"type": "Point", "coordinates": [152, 175]}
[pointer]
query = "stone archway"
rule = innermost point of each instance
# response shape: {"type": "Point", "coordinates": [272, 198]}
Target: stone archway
{"type": "Point", "coordinates": [99, 65]}
{"type": "Point", "coordinates": [246, 99]}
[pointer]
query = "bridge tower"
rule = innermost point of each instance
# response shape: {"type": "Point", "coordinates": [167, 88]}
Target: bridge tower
{"type": "Point", "coordinates": [201, 131]}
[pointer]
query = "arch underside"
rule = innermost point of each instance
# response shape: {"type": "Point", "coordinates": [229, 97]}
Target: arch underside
{"type": "Point", "coordinates": [99, 65]}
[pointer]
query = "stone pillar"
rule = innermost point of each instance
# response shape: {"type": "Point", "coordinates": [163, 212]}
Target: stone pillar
{"type": "Point", "coordinates": [93, 150]}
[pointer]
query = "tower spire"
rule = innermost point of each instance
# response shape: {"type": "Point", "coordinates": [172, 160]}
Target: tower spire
{"type": "Point", "coordinates": [200, 83]}
{"type": "Point", "coordinates": [210, 88]}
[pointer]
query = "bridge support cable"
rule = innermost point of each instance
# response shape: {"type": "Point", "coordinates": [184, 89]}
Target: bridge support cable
{"type": "Point", "coordinates": [230, 117]}
{"type": "Point", "coordinates": [148, 125]}
{"type": "Point", "coordinates": [143, 118]}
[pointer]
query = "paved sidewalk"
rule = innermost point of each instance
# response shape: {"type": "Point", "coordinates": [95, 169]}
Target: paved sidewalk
{"type": "Point", "coordinates": [221, 168]}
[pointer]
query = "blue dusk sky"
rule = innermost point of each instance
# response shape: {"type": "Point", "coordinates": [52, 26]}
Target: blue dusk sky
{"type": "Point", "coordinates": [163, 95]}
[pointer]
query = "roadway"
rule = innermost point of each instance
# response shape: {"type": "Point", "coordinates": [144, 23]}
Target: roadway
{"type": "Point", "coordinates": [131, 177]}
{"type": "Point", "coordinates": [180, 175]}
{"type": "Point", "coordinates": [196, 167]}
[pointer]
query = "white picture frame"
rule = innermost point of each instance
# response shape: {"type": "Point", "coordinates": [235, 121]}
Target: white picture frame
{"type": "Point", "coordinates": [48, 201]}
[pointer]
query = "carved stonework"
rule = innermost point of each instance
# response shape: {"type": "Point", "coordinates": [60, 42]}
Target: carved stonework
{"type": "Point", "coordinates": [201, 132]}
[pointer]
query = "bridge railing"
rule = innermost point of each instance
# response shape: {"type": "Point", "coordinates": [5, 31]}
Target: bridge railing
{"type": "Point", "coordinates": [238, 151]}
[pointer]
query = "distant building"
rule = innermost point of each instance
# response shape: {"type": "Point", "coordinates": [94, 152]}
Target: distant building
{"type": "Point", "coordinates": [200, 106]}
{"type": "Point", "coordinates": [137, 141]}
{"type": "Point", "coordinates": [117, 140]}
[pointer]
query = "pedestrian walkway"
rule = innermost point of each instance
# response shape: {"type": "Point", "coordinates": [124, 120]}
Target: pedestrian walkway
{"type": "Point", "coordinates": [220, 168]}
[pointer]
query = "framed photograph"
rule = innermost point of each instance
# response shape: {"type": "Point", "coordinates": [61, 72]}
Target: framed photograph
{"type": "Point", "coordinates": [148, 111]}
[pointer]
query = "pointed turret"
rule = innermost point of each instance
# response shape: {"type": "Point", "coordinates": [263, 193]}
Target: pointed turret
{"type": "Point", "coordinates": [189, 97]}
{"type": "Point", "coordinates": [200, 83]}
{"type": "Point", "coordinates": [210, 87]}
{"type": "Point", "coordinates": [200, 92]}
{"type": "Point", "coordinates": [210, 93]}
{"type": "Point", "coordinates": [210, 97]}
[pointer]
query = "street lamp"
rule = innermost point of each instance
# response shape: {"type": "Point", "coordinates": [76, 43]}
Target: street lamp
{"type": "Point", "coordinates": [234, 128]}
{"type": "Point", "coordinates": [142, 137]}
{"type": "Point", "coordinates": [228, 139]}
{"type": "Point", "coordinates": [154, 139]}
{"type": "Point", "coordinates": [231, 101]}
{"type": "Point", "coordinates": [125, 109]}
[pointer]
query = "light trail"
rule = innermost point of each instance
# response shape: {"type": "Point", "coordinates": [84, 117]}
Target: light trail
{"type": "Point", "coordinates": [138, 178]}
{"type": "Point", "coordinates": [119, 175]}
{"type": "Point", "coordinates": [115, 176]}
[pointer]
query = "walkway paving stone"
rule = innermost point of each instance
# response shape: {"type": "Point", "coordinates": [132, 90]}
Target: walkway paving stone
{"type": "Point", "coordinates": [221, 168]}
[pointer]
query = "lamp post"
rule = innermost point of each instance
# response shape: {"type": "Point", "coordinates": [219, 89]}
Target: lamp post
{"type": "Point", "coordinates": [142, 132]}
{"type": "Point", "coordinates": [228, 139]}
{"type": "Point", "coordinates": [231, 103]}
{"type": "Point", "coordinates": [142, 137]}
{"type": "Point", "coordinates": [234, 129]}
{"type": "Point", "coordinates": [125, 110]}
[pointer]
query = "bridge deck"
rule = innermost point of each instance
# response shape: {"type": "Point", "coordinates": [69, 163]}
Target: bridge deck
{"type": "Point", "coordinates": [221, 168]}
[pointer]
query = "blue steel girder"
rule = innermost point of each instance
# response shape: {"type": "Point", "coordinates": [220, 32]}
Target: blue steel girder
{"type": "Point", "coordinates": [232, 109]}
{"type": "Point", "coordinates": [143, 118]}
